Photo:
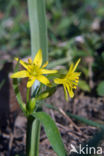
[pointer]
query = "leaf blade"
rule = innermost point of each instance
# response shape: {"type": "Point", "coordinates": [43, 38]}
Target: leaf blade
{"type": "Point", "coordinates": [38, 27]}
{"type": "Point", "coordinates": [52, 132]}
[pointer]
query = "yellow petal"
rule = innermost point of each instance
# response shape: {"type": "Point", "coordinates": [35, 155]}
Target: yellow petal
{"type": "Point", "coordinates": [16, 58]}
{"type": "Point", "coordinates": [71, 93]}
{"type": "Point", "coordinates": [72, 77]}
{"type": "Point", "coordinates": [43, 80]}
{"type": "Point", "coordinates": [20, 74]}
{"type": "Point", "coordinates": [22, 63]}
{"type": "Point", "coordinates": [46, 71]}
{"type": "Point", "coordinates": [58, 81]}
{"type": "Point", "coordinates": [45, 64]}
{"type": "Point", "coordinates": [76, 74]}
{"type": "Point", "coordinates": [38, 58]}
{"type": "Point", "coordinates": [65, 92]}
{"type": "Point", "coordinates": [76, 65]}
{"type": "Point", "coordinates": [30, 82]}
{"type": "Point", "coordinates": [29, 60]}
{"type": "Point", "coordinates": [71, 68]}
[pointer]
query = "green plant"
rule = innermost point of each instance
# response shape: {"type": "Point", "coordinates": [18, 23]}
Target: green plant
{"type": "Point", "coordinates": [35, 71]}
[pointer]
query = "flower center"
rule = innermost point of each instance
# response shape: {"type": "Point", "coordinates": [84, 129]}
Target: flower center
{"type": "Point", "coordinates": [34, 70]}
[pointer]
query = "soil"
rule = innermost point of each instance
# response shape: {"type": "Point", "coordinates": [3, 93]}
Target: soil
{"type": "Point", "coordinates": [13, 123]}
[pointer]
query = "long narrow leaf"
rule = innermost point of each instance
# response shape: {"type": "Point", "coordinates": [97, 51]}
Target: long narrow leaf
{"type": "Point", "coordinates": [33, 135]}
{"type": "Point", "coordinates": [38, 28]}
{"type": "Point", "coordinates": [86, 121]}
{"type": "Point", "coordinates": [18, 96]}
{"type": "Point", "coordinates": [17, 92]}
{"type": "Point", "coordinates": [52, 132]}
{"type": "Point", "coordinates": [59, 62]}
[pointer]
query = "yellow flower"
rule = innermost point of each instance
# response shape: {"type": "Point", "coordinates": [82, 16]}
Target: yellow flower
{"type": "Point", "coordinates": [34, 70]}
{"type": "Point", "coordinates": [70, 81]}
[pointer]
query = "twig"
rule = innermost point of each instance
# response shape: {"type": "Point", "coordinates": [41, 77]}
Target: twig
{"type": "Point", "coordinates": [52, 114]}
{"type": "Point", "coordinates": [71, 132]}
{"type": "Point", "coordinates": [70, 120]}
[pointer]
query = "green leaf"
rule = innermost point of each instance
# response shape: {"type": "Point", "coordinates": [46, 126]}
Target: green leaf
{"type": "Point", "coordinates": [100, 88]}
{"type": "Point", "coordinates": [86, 121]}
{"type": "Point", "coordinates": [17, 92]}
{"type": "Point", "coordinates": [18, 96]}
{"type": "Point", "coordinates": [83, 85]}
{"type": "Point", "coordinates": [38, 30]}
{"type": "Point", "coordinates": [38, 27]}
{"type": "Point", "coordinates": [32, 105]}
{"type": "Point", "coordinates": [85, 71]}
{"type": "Point", "coordinates": [59, 62]}
{"type": "Point", "coordinates": [47, 93]}
{"type": "Point", "coordinates": [64, 24]}
{"type": "Point", "coordinates": [32, 138]}
{"type": "Point", "coordinates": [52, 132]}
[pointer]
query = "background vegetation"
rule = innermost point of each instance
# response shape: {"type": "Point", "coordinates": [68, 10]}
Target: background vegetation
{"type": "Point", "coordinates": [75, 29]}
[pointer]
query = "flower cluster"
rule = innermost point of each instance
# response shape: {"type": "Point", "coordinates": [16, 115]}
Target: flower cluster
{"type": "Point", "coordinates": [34, 70]}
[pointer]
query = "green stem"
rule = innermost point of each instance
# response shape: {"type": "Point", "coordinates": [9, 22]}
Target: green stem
{"type": "Point", "coordinates": [27, 99]}
{"type": "Point", "coordinates": [32, 136]}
